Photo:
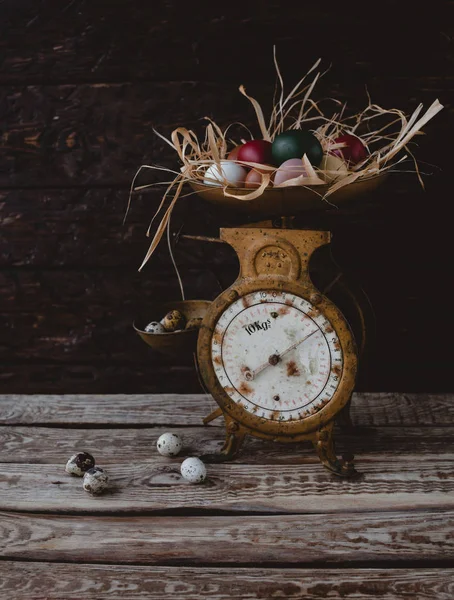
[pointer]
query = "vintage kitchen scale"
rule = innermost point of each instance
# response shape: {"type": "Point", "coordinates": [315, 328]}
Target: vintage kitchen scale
{"type": "Point", "coordinates": [278, 356]}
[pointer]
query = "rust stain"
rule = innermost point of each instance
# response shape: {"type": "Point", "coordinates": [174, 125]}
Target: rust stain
{"type": "Point", "coordinates": [275, 415]}
{"type": "Point", "coordinates": [229, 390]}
{"type": "Point", "coordinates": [255, 409]}
{"type": "Point", "coordinates": [337, 345]}
{"type": "Point", "coordinates": [283, 310]}
{"type": "Point", "coordinates": [292, 369]}
{"type": "Point", "coordinates": [329, 329]}
{"type": "Point", "coordinates": [245, 302]}
{"type": "Point", "coordinates": [217, 360]}
{"type": "Point", "coordinates": [336, 370]}
{"type": "Point", "coordinates": [217, 338]}
{"type": "Point", "coordinates": [313, 313]}
{"type": "Point", "coordinates": [245, 388]}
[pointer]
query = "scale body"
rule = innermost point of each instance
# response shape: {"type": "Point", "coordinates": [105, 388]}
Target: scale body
{"type": "Point", "coordinates": [277, 355]}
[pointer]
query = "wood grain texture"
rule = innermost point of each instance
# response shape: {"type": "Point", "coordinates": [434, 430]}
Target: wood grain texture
{"type": "Point", "coordinates": [243, 541]}
{"type": "Point", "coordinates": [99, 134]}
{"type": "Point", "coordinates": [368, 409]}
{"type": "Point", "coordinates": [406, 482]}
{"type": "Point", "coordinates": [84, 227]}
{"type": "Point", "coordinates": [87, 317]}
{"type": "Point", "coordinates": [34, 581]}
{"type": "Point", "coordinates": [43, 445]}
{"type": "Point", "coordinates": [85, 41]}
{"type": "Point", "coordinates": [100, 378]}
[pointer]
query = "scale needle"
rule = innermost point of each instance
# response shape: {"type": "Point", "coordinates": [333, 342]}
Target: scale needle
{"type": "Point", "coordinates": [275, 358]}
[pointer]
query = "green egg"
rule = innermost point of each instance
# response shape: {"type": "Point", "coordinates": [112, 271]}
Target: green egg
{"type": "Point", "coordinates": [294, 144]}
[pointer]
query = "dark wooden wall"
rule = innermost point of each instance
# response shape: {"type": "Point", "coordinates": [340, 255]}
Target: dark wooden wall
{"type": "Point", "coordinates": [81, 85]}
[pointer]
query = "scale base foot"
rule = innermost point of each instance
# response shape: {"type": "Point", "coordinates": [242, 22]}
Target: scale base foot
{"type": "Point", "coordinates": [233, 442]}
{"type": "Point", "coordinates": [324, 445]}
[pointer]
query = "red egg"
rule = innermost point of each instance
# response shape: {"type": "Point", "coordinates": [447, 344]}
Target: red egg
{"type": "Point", "coordinates": [233, 154]}
{"type": "Point", "coordinates": [354, 150]}
{"type": "Point", "coordinates": [257, 151]}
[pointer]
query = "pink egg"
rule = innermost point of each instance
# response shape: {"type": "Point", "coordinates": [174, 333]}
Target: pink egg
{"type": "Point", "coordinates": [289, 170]}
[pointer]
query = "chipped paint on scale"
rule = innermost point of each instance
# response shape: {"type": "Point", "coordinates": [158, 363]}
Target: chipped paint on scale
{"type": "Point", "coordinates": [276, 355]}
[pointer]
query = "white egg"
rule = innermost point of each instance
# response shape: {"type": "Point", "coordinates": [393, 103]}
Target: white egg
{"type": "Point", "coordinates": [334, 167]}
{"type": "Point", "coordinates": [169, 444]}
{"type": "Point", "coordinates": [229, 173]}
{"type": "Point", "coordinates": [155, 327]}
{"type": "Point", "coordinates": [193, 470]}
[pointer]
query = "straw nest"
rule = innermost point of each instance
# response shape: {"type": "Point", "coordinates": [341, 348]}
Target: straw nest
{"type": "Point", "coordinates": [384, 132]}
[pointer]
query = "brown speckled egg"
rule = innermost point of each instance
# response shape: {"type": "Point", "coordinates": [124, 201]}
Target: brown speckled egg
{"type": "Point", "coordinates": [79, 463]}
{"type": "Point", "coordinates": [194, 323]}
{"type": "Point", "coordinates": [95, 481]}
{"type": "Point", "coordinates": [173, 321]}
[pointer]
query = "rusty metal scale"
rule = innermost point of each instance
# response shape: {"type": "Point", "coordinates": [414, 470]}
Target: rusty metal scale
{"type": "Point", "coordinates": [277, 355]}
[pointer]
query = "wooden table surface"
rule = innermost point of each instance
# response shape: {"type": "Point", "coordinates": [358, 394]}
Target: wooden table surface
{"type": "Point", "coordinates": [271, 524]}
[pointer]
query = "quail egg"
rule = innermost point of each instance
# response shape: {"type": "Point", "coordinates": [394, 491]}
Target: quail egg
{"type": "Point", "coordinates": [95, 481]}
{"type": "Point", "coordinates": [155, 327]}
{"type": "Point", "coordinates": [169, 444]}
{"type": "Point", "coordinates": [193, 470]}
{"type": "Point", "coordinates": [194, 323]}
{"type": "Point", "coordinates": [79, 463]}
{"type": "Point", "coordinates": [173, 321]}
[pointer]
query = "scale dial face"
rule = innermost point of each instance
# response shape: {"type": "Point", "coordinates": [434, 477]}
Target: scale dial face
{"type": "Point", "coordinates": [276, 355]}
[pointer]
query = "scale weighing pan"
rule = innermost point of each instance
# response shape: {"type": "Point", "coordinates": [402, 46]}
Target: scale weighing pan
{"type": "Point", "coordinates": [287, 201]}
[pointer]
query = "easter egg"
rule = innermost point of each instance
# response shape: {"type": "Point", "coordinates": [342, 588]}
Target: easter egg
{"type": "Point", "coordinates": [257, 151]}
{"type": "Point", "coordinates": [289, 170]}
{"type": "Point", "coordinates": [233, 154]}
{"type": "Point", "coordinates": [333, 167]}
{"type": "Point", "coordinates": [354, 150]}
{"type": "Point", "coordinates": [254, 178]}
{"type": "Point", "coordinates": [229, 173]}
{"type": "Point", "coordinates": [294, 144]}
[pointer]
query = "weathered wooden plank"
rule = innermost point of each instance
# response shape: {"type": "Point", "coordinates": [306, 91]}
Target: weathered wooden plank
{"type": "Point", "coordinates": [42, 445]}
{"type": "Point", "coordinates": [53, 581]}
{"type": "Point", "coordinates": [248, 540]}
{"type": "Point", "coordinates": [84, 227]}
{"type": "Point", "coordinates": [56, 228]}
{"type": "Point", "coordinates": [88, 317]}
{"type": "Point", "coordinates": [100, 134]}
{"type": "Point", "coordinates": [404, 482]}
{"type": "Point", "coordinates": [370, 409]}
{"type": "Point", "coordinates": [85, 41]}
{"type": "Point", "coordinates": [98, 377]}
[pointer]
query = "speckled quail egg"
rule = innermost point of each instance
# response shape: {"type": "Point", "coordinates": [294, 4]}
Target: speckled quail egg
{"type": "Point", "coordinates": [79, 463]}
{"type": "Point", "coordinates": [193, 470]}
{"type": "Point", "coordinates": [169, 444]}
{"type": "Point", "coordinates": [194, 323]}
{"type": "Point", "coordinates": [155, 327]}
{"type": "Point", "coordinates": [173, 320]}
{"type": "Point", "coordinates": [95, 481]}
